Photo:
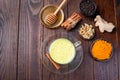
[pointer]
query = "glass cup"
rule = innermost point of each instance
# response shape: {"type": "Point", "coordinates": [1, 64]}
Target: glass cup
{"type": "Point", "coordinates": [64, 68]}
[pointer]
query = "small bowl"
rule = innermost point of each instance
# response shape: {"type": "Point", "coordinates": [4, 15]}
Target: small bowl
{"type": "Point", "coordinates": [99, 59]}
{"type": "Point", "coordinates": [88, 7]}
{"type": "Point", "coordinates": [91, 36]}
{"type": "Point", "coordinates": [51, 9]}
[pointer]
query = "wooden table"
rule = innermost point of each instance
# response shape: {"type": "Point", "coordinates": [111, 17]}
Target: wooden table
{"type": "Point", "coordinates": [22, 35]}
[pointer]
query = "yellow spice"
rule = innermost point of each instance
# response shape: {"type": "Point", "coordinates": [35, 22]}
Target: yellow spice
{"type": "Point", "coordinates": [101, 50]}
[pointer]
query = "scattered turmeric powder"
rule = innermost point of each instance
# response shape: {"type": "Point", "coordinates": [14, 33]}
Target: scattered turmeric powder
{"type": "Point", "coordinates": [101, 50]}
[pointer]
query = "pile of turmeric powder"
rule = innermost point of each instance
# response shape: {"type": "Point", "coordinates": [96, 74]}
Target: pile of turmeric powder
{"type": "Point", "coordinates": [101, 50]}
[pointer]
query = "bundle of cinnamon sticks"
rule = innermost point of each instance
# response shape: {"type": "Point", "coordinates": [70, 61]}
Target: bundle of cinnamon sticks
{"type": "Point", "coordinates": [71, 21]}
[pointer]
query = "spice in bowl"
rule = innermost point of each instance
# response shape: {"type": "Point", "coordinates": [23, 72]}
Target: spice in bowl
{"type": "Point", "coordinates": [101, 50]}
{"type": "Point", "coordinates": [87, 31]}
{"type": "Point", "coordinates": [88, 7]}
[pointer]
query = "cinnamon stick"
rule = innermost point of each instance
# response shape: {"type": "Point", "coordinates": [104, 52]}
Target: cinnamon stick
{"type": "Point", "coordinates": [71, 21]}
{"type": "Point", "coordinates": [68, 21]}
{"type": "Point", "coordinates": [55, 64]}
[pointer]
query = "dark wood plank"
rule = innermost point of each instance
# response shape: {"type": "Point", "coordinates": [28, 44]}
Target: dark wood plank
{"type": "Point", "coordinates": [30, 39]}
{"type": "Point", "coordinates": [117, 7]}
{"type": "Point", "coordinates": [9, 13]}
{"type": "Point", "coordinates": [85, 71]}
{"type": "Point", "coordinates": [32, 34]}
{"type": "Point", "coordinates": [47, 75]}
{"type": "Point", "coordinates": [107, 70]}
{"type": "Point", "coordinates": [48, 32]}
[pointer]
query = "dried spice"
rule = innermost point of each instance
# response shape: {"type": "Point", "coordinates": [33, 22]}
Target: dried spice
{"type": "Point", "coordinates": [101, 50]}
{"type": "Point", "coordinates": [87, 31]}
{"type": "Point", "coordinates": [88, 7]}
{"type": "Point", "coordinates": [71, 22]}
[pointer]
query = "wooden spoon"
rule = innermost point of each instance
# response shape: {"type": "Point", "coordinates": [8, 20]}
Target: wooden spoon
{"type": "Point", "coordinates": [52, 18]}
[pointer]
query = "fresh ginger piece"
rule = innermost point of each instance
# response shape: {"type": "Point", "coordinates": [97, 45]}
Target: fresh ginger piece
{"type": "Point", "coordinates": [109, 27]}
{"type": "Point", "coordinates": [103, 25]}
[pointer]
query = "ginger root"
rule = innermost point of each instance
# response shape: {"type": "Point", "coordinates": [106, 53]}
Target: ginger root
{"type": "Point", "coordinates": [103, 25]}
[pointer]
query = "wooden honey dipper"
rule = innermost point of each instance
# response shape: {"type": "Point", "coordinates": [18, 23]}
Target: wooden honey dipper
{"type": "Point", "coordinates": [52, 17]}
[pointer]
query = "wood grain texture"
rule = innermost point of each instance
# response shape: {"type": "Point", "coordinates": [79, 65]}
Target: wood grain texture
{"type": "Point", "coordinates": [85, 70]}
{"type": "Point", "coordinates": [107, 70]}
{"type": "Point", "coordinates": [30, 32]}
{"type": "Point", "coordinates": [117, 7]}
{"type": "Point", "coordinates": [48, 32]}
{"type": "Point", "coordinates": [22, 36]}
{"type": "Point", "coordinates": [8, 39]}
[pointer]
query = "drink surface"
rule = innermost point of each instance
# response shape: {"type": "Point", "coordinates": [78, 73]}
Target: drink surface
{"type": "Point", "coordinates": [62, 51]}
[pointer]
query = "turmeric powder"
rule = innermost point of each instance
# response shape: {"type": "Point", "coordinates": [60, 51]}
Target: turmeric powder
{"type": "Point", "coordinates": [101, 50]}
